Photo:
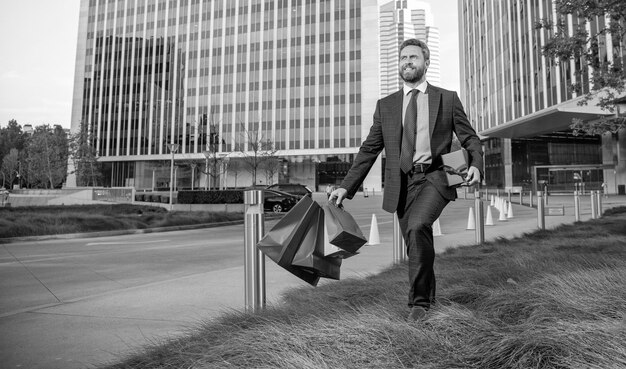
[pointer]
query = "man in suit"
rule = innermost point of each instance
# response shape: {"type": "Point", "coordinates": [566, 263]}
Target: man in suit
{"type": "Point", "coordinates": [415, 127]}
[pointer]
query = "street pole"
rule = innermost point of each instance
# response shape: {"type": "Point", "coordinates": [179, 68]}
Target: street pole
{"type": "Point", "coordinates": [254, 259]}
{"type": "Point", "coordinates": [479, 218]}
{"type": "Point", "coordinates": [173, 149]}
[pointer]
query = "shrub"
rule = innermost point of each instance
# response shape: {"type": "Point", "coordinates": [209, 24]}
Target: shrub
{"type": "Point", "coordinates": [210, 197]}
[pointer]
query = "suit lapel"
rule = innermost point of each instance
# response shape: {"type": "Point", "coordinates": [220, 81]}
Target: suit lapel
{"type": "Point", "coordinates": [397, 118]}
{"type": "Point", "coordinates": [434, 98]}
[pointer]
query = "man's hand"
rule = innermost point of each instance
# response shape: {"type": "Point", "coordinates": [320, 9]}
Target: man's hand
{"type": "Point", "coordinates": [473, 176]}
{"type": "Point", "coordinates": [337, 196]}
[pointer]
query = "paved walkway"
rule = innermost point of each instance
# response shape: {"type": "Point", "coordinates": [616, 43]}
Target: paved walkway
{"type": "Point", "coordinates": [106, 327]}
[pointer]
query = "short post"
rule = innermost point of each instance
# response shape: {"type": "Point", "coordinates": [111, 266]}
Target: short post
{"type": "Point", "coordinates": [541, 217]}
{"type": "Point", "coordinates": [545, 196]}
{"type": "Point", "coordinates": [576, 206]}
{"type": "Point", "coordinates": [254, 260]}
{"type": "Point", "coordinates": [399, 253]}
{"type": "Point", "coordinates": [594, 208]}
{"type": "Point", "coordinates": [599, 203]}
{"type": "Point", "coordinates": [465, 192]}
{"type": "Point", "coordinates": [364, 192]}
{"type": "Point", "coordinates": [521, 193]}
{"type": "Point", "coordinates": [530, 198]}
{"type": "Point", "coordinates": [480, 219]}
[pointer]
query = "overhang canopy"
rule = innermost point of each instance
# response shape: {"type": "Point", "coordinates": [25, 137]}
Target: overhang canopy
{"type": "Point", "coordinates": [552, 119]}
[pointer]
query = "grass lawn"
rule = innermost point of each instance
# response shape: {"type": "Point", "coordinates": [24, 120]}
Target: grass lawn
{"type": "Point", "coordinates": [550, 299]}
{"type": "Point", "coordinates": [49, 220]}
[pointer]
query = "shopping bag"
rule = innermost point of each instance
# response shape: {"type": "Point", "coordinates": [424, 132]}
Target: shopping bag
{"type": "Point", "coordinates": [455, 164]}
{"type": "Point", "coordinates": [310, 254]}
{"type": "Point", "coordinates": [343, 231]}
{"type": "Point", "coordinates": [281, 243]}
{"type": "Point", "coordinates": [330, 249]}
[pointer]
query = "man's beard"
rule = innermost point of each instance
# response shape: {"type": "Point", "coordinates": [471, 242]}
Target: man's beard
{"type": "Point", "coordinates": [419, 73]}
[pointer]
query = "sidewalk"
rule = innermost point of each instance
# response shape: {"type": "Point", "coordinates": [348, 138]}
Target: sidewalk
{"type": "Point", "coordinates": [105, 327]}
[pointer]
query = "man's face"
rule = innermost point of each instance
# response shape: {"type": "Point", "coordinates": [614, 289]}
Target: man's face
{"type": "Point", "coordinates": [412, 64]}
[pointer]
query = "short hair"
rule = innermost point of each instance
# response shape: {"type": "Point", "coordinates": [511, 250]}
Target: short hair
{"type": "Point", "coordinates": [416, 42]}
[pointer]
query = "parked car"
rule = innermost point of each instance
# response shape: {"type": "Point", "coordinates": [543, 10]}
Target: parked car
{"type": "Point", "coordinates": [277, 201]}
{"type": "Point", "coordinates": [292, 188]}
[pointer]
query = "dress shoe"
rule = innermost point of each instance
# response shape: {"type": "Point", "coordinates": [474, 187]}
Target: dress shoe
{"type": "Point", "coordinates": [417, 313]}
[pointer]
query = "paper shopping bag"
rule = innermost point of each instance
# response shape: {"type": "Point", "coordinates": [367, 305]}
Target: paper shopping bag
{"type": "Point", "coordinates": [455, 164]}
{"type": "Point", "coordinates": [281, 243]}
{"type": "Point", "coordinates": [310, 255]}
{"type": "Point", "coordinates": [343, 231]}
{"type": "Point", "coordinates": [330, 249]}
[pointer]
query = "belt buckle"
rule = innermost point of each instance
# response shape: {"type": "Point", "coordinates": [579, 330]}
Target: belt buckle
{"type": "Point", "coordinates": [418, 168]}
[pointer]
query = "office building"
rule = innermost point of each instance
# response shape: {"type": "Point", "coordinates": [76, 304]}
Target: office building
{"type": "Point", "coordinates": [217, 78]}
{"type": "Point", "coordinates": [522, 103]}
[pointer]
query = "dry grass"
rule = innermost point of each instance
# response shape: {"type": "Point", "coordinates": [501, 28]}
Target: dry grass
{"type": "Point", "coordinates": [49, 220]}
{"type": "Point", "coordinates": [550, 299]}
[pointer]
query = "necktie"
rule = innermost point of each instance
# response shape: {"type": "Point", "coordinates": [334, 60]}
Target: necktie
{"type": "Point", "coordinates": [408, 134]}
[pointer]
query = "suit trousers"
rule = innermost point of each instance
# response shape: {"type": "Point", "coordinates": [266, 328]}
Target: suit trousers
{"type": "Point", "coordinates": [420, 205]}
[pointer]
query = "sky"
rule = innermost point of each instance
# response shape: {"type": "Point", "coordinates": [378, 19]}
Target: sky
{"type": "Point", "coordinates": [38, 48]}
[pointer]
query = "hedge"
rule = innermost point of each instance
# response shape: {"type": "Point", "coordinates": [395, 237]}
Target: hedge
{"type": "Point", "coordinates": [210, 197]}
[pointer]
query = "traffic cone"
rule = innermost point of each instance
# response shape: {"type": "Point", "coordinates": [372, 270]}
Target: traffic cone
{"type": "Point", "coordinates": [502, 216]}
{"type": "Point", "coordinates": [437, 228]}
{"type": "Point", "coordinates": [374, 238]}
{"type": "Point", "coordinates": [471, 222]}
{"type": "Point", "coordinates": [509, 213]}
{"type": "Point", "coordinates": [489, 220]}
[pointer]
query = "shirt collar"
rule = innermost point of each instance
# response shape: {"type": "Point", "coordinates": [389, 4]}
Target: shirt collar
{"type": "Point", "coordinates": [421, 87]}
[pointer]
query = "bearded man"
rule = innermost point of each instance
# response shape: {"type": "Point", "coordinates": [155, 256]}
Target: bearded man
{"type": "Point", "coordinates": [415, 127]}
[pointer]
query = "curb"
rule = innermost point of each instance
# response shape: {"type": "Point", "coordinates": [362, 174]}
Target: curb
{"type": "Point", "coordinates": [128, 231]}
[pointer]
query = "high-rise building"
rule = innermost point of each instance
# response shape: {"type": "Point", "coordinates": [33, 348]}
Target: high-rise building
{"type": "Point", "coordinates": [400, 20]}
{"type": "Point", "coordinates": [219, 78]}
{"type": "Point", "coordinates": [521, 100]}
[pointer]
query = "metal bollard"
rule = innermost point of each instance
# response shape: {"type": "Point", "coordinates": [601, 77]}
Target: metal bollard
{"type": "Point", "coordinates": [541, 217]}
{"type": "Point", "coordinates": [480, 219]}
{"type": "Point", "coordinates": [599, 203]}
{"type": "Point", "coordinates": [594, 208]}
{"type": "Point", "coordinates": [399, 248]}
{"type": "Point", "coordinates": [576, 206]}
{"type": "Point", "coordinates": [254, 260]}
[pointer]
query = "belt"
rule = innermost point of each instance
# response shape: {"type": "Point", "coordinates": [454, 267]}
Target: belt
{"type": "Point", "coordinates": [418, 168]}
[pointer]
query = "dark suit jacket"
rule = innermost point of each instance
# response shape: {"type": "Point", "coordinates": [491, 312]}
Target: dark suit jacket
{"type": "Point", "coordinates": [446, 115]}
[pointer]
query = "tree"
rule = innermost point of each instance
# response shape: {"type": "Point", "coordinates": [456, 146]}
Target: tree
{"type": "Point", "coordinates": [10, 168]}
{"type": "Point", "coordinates": [84, 156]}
{"type": "Point", "coordinates": [46, 157]}
{"type": "Point", "coordinates": [260, 151]}
{"type": "Point", "coordinates": [604, 59]}
{"type": "Point", "coordinates": [11, 137]}
{"type": "Point", "coordinates": [271, 166]}
{"type": "Point", "coordinates": [214, 167]}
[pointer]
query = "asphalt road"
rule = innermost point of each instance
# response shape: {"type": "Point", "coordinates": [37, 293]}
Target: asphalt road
{"type": "Point", "coordinates": [77, 303]}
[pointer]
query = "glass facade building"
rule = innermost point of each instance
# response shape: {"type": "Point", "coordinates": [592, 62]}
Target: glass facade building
{"type": "Point", "coordinates": [204, 74]}
{"type": "Point", "coordinates": [521, 100]}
